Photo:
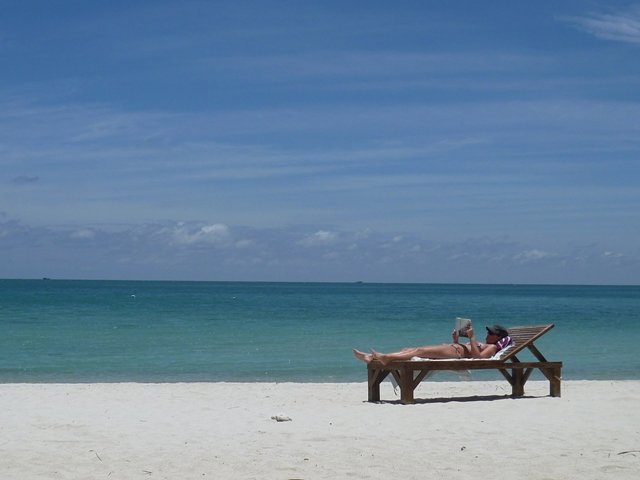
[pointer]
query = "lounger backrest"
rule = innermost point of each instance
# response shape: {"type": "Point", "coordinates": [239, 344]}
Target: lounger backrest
{"type": "Point", "coordinates": [524, 336]}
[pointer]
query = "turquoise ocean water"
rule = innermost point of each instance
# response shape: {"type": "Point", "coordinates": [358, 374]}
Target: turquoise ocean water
{"type": "Point", "coordinates": [88, 331]}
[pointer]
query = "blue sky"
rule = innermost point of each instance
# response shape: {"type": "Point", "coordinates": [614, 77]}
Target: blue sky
{"type": "Point", "coordinates": [409, 141]}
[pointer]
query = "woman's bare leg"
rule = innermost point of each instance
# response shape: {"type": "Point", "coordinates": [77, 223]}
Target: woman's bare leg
{"type": "Point", "coordinates": [445, 350]}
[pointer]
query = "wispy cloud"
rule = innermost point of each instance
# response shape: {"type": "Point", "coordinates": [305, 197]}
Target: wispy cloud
{"type": "Point", "coordinates": [144, 167]}
{"type": "Point", "coordinates": [330, 65]}
{"type": "Point", "coordinates": [319, 239]}
{"type": "Point", "coordinates": [622, 26]}
{"type": "Point", "coordinates": [206, 234]}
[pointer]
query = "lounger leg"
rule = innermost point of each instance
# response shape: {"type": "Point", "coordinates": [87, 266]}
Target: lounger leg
{"type": "Point", "coordinates": [554, 377]}
{"type": "Point", "coordinates": [554, 383]}
{"type": "Point", "coordinates": [406, 386]}
{"type": "Point", "coordinates": [374, 385]}
{"type": "Point", "coordinates": [517, 385]}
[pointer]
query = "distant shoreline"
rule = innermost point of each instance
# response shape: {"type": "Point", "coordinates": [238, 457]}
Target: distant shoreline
{"type": "Point", "coordinates": [323, 282]}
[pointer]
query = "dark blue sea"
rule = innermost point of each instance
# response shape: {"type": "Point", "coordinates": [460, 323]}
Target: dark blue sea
{"type": "Point", "coordinates": [143, 331]}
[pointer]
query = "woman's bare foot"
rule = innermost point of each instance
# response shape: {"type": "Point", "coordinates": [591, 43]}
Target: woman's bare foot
{"type": "Point", "coordinates": [380, 357]}
{"type": "Point", "coordinates": [365, 357]}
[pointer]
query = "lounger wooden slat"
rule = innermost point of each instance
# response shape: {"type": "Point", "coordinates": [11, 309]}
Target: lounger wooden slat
{"type": "Point", "coordinates": [409, 374]}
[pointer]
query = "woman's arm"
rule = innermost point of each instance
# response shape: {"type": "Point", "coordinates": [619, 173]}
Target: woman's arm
{"type": "Point", "coordinates": [488, 350]}
{"type": "Point", "coordinates": [473, 345]}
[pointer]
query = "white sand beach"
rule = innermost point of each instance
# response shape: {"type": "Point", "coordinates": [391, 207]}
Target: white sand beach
{"type": "Point", "coordinates": [226, 431]}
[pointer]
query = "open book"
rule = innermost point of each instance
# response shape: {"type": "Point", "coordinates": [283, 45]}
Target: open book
{"type": "Point", "coordinates": [462, 326]}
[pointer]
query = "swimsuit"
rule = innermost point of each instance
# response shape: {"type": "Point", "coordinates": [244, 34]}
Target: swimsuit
{"type": "Point", "coordinates": [464, 348]}
{"type": "Point", "coordinates": [500, 345]}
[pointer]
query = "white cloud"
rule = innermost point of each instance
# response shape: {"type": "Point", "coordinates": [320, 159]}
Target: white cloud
{"type": "Point", "coordinates": [620, 27]}
{"type": "Point", "coordinates": [84, 234]}
{"type": "Point", "coordinates": [198, 251]}
{"type": "Point", "coordinates": [319, 239]}
{"type": "Point", "coordinates": [363, 234]}
{"type": "Point", "coordinates": [531, 255]}
{"type": "Point", "coordinates": [208, 234]}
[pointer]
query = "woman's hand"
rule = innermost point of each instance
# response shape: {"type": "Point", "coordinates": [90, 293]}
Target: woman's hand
{"type": "Point", "coordinates": [470, 333]}
{"type": "Point", "coordinates": [455, 335]}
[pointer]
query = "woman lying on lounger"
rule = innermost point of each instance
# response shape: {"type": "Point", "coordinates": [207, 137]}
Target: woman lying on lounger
{"type": "Point", "coordinates": [497, 339]}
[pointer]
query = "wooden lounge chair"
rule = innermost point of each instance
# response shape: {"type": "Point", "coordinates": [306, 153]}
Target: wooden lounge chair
{"type": "Point", "coordinates": [409, 374]}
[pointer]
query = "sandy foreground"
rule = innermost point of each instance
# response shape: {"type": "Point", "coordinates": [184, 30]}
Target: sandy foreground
{"type": "Point", "coordinates": [225, 430]}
